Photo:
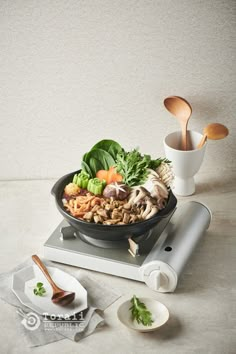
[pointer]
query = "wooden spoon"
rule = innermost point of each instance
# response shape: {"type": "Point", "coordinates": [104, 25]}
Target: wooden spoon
{"type": "Point", "coordinates": [214, 131]}
{"type": "Point", "coordinates": [59, 296]}
{"type": "Point", "coordinates": [182, 110]}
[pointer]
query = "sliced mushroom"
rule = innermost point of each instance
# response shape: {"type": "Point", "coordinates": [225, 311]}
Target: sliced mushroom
{"type": "Point", "coordinates": [155, 186]}
{"type": "Point", "coordinates": [158, 190]}
{"type": "Point", "coordinates": [148, 208]}
{"type": "Point", "coordinates": [126, 218]}
{"type": "Point", "coordinates": [103, 213]}
{"type": "Point", "coordinates": [88, 216]}
{"type": "Point", "coordinates": [98, 219]}
{"type": "Point", "coordinates": [116, 214]}
{"type": "Point", "coordinates": [140, 211]}
{"type": "Point", "coordinates": [161, 203]}
{"type": "Point", "coordinates": [165, 172]}
{"type": "Point", "coordinates": [133, 218]}
{"type": "Point", "coordinates": [95, 208]}
{"type": "Point", "coordinates": [137, 194]}
{"type": "Point", "coordinates": [107, 207]}
{"type": "Point", "coordinates": [111, 221]}
{"type": "Point", "coordinates": [153, 211]}
{"type": "Point", "coordinates": [127, 206]}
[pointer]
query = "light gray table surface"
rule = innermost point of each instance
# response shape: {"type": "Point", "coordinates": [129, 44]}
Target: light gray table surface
{"type": "Point", "coordinates": [202, 309]}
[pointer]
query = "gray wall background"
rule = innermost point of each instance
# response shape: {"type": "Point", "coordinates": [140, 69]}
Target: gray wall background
{"type": "Point", "coordinates": [73, 72]}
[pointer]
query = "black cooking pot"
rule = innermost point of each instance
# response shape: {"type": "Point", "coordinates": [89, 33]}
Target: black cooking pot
{"type": "Point", "coordinates": [108, 232]}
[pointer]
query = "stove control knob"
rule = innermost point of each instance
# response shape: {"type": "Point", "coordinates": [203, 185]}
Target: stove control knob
{"type": "Point", "coordinates": [157, 280]}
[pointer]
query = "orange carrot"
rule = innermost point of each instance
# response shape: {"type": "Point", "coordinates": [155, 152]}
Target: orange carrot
{"type": "Point", "coordinates": [117, 178]}
{"type": "Point", "coordinates": [109, 176]}
{"type": "Point", "coordinates": [102, 174]}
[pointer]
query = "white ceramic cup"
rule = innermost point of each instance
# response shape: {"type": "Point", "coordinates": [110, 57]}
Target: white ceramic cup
{"type": "Point", "coordinates": [185, 163]}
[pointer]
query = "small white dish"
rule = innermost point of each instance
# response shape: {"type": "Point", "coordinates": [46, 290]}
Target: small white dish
{"type": "Point", "coordinates": [25, 280]}
{"type": "Point", "coordinates": [160, 315]}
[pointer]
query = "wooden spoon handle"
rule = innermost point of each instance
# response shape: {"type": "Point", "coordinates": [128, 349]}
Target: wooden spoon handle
{"type": "Point", "coordinates": [42, 267]}
{"type": "Point", "coordinates": [184, 136]}
{"type": "Point", "coordinates": [202, 142]}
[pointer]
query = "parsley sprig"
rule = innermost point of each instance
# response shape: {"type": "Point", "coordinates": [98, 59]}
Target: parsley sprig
{"type": "Point", "coordinates": [133, 166]}
{"type": "Point", "coordinates": [140, 313]}
{"type": "Point", "coordinates": [39, 290]}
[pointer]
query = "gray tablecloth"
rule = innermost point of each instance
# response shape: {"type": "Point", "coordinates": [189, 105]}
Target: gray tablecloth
{"type": "Point", "coordinates": [100, 296]}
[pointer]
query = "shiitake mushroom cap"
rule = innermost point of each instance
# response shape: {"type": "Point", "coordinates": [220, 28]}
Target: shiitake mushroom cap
{"type": "Point", "coordinates": [116, 190]}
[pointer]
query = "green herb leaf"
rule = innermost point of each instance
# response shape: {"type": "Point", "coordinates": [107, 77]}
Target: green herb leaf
{"type": "Point", "coordinates": [140, 313]}
{"type": "Point", "coordinates": [133, 167]}
{"type": "Point", "coordinates": [156, 163]}
{"type": "Point", "coordinates": [39, 290]}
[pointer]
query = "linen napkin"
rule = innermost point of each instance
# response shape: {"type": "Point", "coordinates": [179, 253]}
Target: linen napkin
{"type": "Point", "coordinates": [100, 296]}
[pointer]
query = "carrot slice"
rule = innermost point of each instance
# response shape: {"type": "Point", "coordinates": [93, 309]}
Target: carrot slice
{"type": "Point", "coordinates": [117, 178]}
{"type": "Point", "coordinates": [113, 176]}
{"type": "Point", "coordinates": [110, 175]}
{"type": "Point", "coordinates": [102, 174]}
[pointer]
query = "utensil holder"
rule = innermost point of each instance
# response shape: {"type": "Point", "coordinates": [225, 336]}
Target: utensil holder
{"type": "Point", "coordinates": [185, 163]}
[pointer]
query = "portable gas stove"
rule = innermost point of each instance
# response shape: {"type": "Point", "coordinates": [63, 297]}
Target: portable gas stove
{"type": "Point", "coordinates": [156, 258]}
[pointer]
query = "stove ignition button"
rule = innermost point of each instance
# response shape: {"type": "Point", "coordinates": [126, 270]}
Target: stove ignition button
{"type": "Point", "coordinates": [157, 280]}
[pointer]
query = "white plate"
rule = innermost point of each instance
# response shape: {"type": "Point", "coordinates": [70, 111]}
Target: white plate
{"type": "Point", "coordinates": [160, 315]}
{"type": "Point", "coordinates": [25, 280]}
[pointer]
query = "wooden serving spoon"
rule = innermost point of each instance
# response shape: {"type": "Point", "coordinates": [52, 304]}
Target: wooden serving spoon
{"type": "Point", "coordinates": [214, 131]}
{"type": "Point", "coordinates": [182, 110]}
{"type": "Point", "coordinates": [59, 296]}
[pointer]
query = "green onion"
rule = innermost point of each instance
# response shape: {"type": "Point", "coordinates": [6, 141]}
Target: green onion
{"type": "Point", "coordinates": [81, 179]}
{"type": "Point", "coordinates": [96, 186]}
{"type": "Point", "coordinates": [75, 179]}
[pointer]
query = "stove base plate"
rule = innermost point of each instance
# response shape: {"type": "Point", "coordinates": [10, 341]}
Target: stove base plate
{"type": "Point", "coordinates": [72, 250]}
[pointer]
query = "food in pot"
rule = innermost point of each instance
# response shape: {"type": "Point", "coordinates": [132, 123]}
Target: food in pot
{"type": "Point", "coordinates": [116, 190]}
{"type": "Point", "coordinates": [72, 189]}
{"type": "Point", "coordinates": [116, 187]}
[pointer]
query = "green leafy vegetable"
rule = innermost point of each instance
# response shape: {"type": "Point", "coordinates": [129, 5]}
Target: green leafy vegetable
{"type": "Point", "coordinates": [39, 290]}
{"type": "Point", "coordinates": [131, 165]}
{"type": "Point", "coordinates": [85, 167]}
{"type": "Point", "coordinates": [98, 159]}
{"type": "Point", "coordinates": [140, 313]}
{"type": "Point", "coordinates": [134, 167]}
{"type": "Point", "coordinates": [110, 146]}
